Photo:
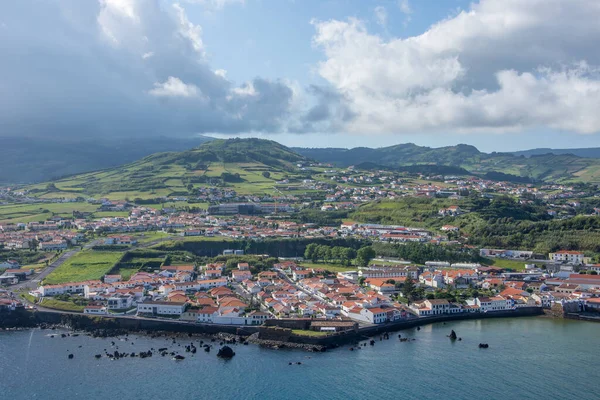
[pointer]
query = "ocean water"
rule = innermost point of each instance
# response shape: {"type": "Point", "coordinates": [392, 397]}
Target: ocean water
{"type": "Point", "coordinates": [528, 358]}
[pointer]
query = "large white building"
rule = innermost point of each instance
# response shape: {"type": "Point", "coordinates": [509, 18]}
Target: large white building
{"type": "Point", "coordinates": [496, 303]}
{"type": "Point", "coordinates": [572, 257]}
{"type": "Point", "coordinates": [161, 308]}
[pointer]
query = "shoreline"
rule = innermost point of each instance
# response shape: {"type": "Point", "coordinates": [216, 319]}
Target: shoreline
{"type": "Point", "coordinates": [104, 326]}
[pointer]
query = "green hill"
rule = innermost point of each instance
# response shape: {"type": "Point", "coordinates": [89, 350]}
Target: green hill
{"type": "Point", "coordinates": [38, 159]}
{"type": "Point", "coordinates": [544, 167]}
{"type": "Point", "coordinates": [249, 165]}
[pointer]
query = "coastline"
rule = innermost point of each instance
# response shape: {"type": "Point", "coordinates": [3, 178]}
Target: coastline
{"type": "Point", "coordinates": [275, 337]}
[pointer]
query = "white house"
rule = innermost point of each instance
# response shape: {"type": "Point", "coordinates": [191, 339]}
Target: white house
{"type": "Point", "coordinates": [496, 303]}
{"type": "Point", "coordinates": [572, 257]}
{"type": "Point", "coordinates": [120, 302]}
{"type": "Point", "coordinates": [95, 310]}
{"type": "Point", "coordinates": [161, 308]}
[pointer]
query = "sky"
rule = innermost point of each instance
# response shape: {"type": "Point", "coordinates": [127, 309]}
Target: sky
{"type": "Point", "coordinates": [499, 74]}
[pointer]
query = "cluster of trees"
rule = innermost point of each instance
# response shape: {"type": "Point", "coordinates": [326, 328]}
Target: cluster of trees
{"type": "Point", "coordinates": [343, 255]}
{"type": "Point", "coordinates": [420, 253]}
{"type": "Point", "coordinates": [317, 252]}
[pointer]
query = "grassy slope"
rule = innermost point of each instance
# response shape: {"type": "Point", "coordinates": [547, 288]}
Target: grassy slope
{"type": "Point", "coordinates": [86, 265]}
{"type": "Point", "coordinates": [61, 305]}
{"type": "Point", "coordinates": [165, 174]}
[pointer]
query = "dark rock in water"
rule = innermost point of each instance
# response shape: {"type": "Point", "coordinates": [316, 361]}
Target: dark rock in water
{"type": "Point", "coordinates": [399, 336]}
{"type": "Point", "coordinates": [299, 363]}
{"type": "Point", "coordinates": [98, 356]}
{"type": "Point", "coordinates": [162, 349]}
{"type": "Point", "coordinates": [290, 364]}
{"type": "Point", "coordinates": [372, 342]}
{"type": "Point", "coordinates": [225, 352]}
{"type": "Point", "coordinates": [418, 328]}
{"type": "Point", "coordinates": [483, 345]}
{"type": "Point", "coordinates": [63, 335]}
{"type": "Point", "coordinates": [245, 343]}
{"type": "Point", "coordinates": [75, 334]}
{"type": "Point", "coordinates": [71, 356]}
{"type": "Point", "coordinates": [452, 335]}
{"type": "Point", "coordinates": [193, 350]}
{"type": "Point", "coordinates": [207, 349]}
{"type": "Point", "coordinates": [178, 358]}
{"type": "Point", "coordinates": [459, 339]}
{"type": "Point", "coordinates": [351, 348]}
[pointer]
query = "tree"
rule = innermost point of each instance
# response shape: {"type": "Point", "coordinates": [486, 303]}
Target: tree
{"type": "Point", "coordinates": [323, 252]}
{"type": "Point", "coordinates": [408, 289]}
{"type": "Point", "coordinates": [266, 174]}
{"type": "Point", "coordinates": [348, 254]}
{"type": "Point", "coordinates": [310, 253]}
{"type": "Point", "coordinates": [361, 280]}
{"type": "Point", "coordinates": [364, 256]}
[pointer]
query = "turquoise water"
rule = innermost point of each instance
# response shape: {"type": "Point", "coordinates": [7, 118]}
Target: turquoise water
{"type": "Point", "coordinates": [528, 358]}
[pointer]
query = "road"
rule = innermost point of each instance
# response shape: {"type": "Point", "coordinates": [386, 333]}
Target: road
{"type": "Point", "coordinates": [35, 280]}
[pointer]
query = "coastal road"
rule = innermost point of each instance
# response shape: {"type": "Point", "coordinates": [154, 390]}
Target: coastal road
{"type": "Point", "coordinates": [35, 280]}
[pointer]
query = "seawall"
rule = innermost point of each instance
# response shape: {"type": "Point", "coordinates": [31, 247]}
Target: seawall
{"type": "Point", "coordinates": [25, 319]}
{"type": "Point", "coordinates": [340, 338]}
{"type": "Point", "coordinates": [103, 323]}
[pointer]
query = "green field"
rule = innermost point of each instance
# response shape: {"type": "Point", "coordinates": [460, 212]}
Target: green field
{"type": "Point", "coordinates": [328, 267]}
{"type": "Point", "coordinates": [88, 264]}
{"type": "Point", "coordinates": [517, 265]}
{"type": "Point", "coordinates": [61, 305]}
{"type": "Point", "coordinates": [15, 213]}
{"type": "Point", "coordinates": [301, 332]}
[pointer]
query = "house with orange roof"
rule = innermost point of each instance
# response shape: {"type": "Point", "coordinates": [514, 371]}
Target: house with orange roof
{"type": "Point", "coordinates": [238, 275]}
{"type": "Point", "coordinates": [571, 257]}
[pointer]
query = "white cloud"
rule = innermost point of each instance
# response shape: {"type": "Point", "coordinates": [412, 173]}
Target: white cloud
{"type": "Point", "coordinates": [404, 6]}
{"type": "Point", "coordinates": [501, 65]}
{"type": "Point", "coordinates": [188, 30]}
{"type": "Point", "coordinates": [147, 55]}
{"type": "Point", "coordinates": [381, 15]}
{"type": "Point", "coordinates": [221, 72]}
{"type": "Point", "coordinates": [215, 5]}
{"type": "Point", "coordinates": [174, 87]}
{"type": "Point", "coordinates": [246, 90]}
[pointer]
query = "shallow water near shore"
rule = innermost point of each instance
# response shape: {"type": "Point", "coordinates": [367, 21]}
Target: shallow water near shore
{"type": "Point", "coordinates": [527, 358]}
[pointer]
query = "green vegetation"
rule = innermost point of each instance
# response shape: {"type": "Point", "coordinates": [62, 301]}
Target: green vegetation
{"type": "Point", "coordinates": [516, 265]}
{"type": "Point", "coordinates": [301, 332]}
{"type": "Point", "coordinates": [48, 157]}
{"type": "Point", "coordinates": [316, 252]}
{"type": "Point", "coordinates": [413, 158]}
{"type": "Point", "coordinates": [83, 266]}
{"type": "Point", "coordinates": [498, 223]}
{"type": "Point", "coordinates": [275, 247]}
{"type": "Point", "coordinates": [248, 165]}
{"type": "Point", "coordinates": [138, 260]}
{"type": "Point", "coordinates": [335, 268]}
{"type": "Point", "coordinates": [61, 305]}
{"type": "Point", "coordinates": [364, 255]}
